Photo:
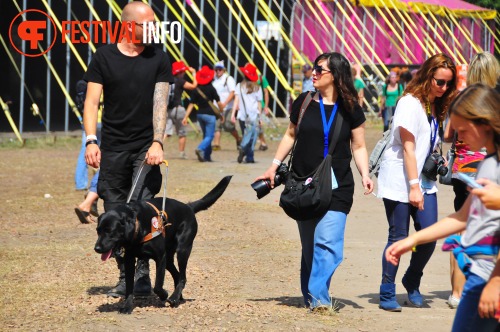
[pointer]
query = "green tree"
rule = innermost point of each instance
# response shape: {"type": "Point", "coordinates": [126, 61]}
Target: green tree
{"type": "Point", "coordinates": [491, 4]}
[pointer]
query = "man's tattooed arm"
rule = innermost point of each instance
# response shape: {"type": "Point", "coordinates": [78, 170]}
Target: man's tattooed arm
{"type": "Point", "coordinates": [160, 109]}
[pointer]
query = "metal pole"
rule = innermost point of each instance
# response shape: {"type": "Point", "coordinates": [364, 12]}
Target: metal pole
{"type": "Point", "coordinates": [343, 33]}
{"type": "Point", "coordinates": [91, 31]}
{"type": "Point", "coordinates": [230, 21]}
{"type": "Point", "coordinates": [278, 54]}
{"type": "Point", "coordinates": [68, 60]}
{"type": "Point", "coordinates": [252, 47]}
{"type": "Point", "coordinates": [165, 12]}
{"type": "Point", "coordinates": [289, 70]}
{"type": "Point", "coordinates": [303, 14]}
{"type": "Point", "coordinates": [21, 87]}
{"type": "Point", "coordinates": [202, 5]}
{"type": "Point", "coordinates": [183, 39]}
{"type": "Point", "coordinates": [374, 31]}
{"type": "Point", "coordinates": [237, 55]}
{"type": "Point", "coordinates": [48, 87]}
{"type": "Point", "coordinates": [216, 45]}
{"type": "Point", "coordinates": [264, 68]}
{"type": "Point", "coordinates": [471, 38]}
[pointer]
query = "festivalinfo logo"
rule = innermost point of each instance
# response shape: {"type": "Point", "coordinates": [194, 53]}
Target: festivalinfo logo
{"type": "Point", "coordinates": [32, 26]}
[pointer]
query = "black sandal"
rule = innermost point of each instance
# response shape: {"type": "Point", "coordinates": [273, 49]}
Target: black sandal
{"type": "Point", "coordinates": [84, 216]}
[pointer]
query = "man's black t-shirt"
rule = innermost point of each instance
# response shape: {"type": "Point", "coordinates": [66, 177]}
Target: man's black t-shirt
{"type": "Point", "coordinates": [310, 147]}
{"type": "Point", "coordinates": [128, 88]}
{"type": "Point", "coordinates": [210, 93]}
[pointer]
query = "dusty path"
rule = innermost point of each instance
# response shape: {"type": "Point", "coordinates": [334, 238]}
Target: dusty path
{"type": "Point", "coordinates": [243, 274]}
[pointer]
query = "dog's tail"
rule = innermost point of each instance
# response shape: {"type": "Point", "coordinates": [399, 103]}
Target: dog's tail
{"type": "Point", "coordinates": [209, 199]}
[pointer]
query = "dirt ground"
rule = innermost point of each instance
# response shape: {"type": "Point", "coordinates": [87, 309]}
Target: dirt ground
{"type": "Point", "coordinates": [243, 274]}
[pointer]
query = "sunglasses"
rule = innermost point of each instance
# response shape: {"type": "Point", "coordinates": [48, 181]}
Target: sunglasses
{"type": "Point", "coordinates": [319, 70]}
{"type": "Point", "coordinates": [441, 83]}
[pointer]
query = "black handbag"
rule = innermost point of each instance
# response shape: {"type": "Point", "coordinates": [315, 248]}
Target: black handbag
{"type": "Point", "coordinates": [309, 197]}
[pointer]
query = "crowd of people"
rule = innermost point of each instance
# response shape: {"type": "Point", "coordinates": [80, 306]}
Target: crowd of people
{"type": "Point", "coordinates": [141, 114]}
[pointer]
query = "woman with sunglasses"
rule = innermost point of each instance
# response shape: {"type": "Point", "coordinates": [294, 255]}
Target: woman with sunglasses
{"type": "Point", "coordinates": [322, 238]}
{"type": "Point", "coordinates": [406, 191]}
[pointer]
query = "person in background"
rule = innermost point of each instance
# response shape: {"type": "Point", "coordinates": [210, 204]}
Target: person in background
{"type": "Point", "coordinates": [264, 85]}
{"type": "Point", "coordinates": [307, 82]}
{"type": "Point", "coordinates": [483, 68]}
{"type": "Point", "coordinates": [203, 96]}
{"type": "Point", "coordinates": [391, 92]}
{"type": "Point", "coordinates": [406, 190]}
{"type": "Point", "coordinates": [134, 78]}
{"type": "Point", "coordinates": [475, 115]}
{"type": "Point", "coordinates": [225, 85]}
{"type": "Point", "coordinates": [359, 85]}
{"type": "Point", "coordinates": [248, 100]}
{"type": "Point", "coordinates": [176, 112]}
{"type": "Point", "coordinates": [322, 239]}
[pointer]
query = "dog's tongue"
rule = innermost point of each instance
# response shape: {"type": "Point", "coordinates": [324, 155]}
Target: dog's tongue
{"type": "Point", "coordinates": [106, 255]}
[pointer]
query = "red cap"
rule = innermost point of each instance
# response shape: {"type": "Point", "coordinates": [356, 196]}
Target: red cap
{"type": "Point", "coordinates": [205, 75]}
{"type": "Point", "coordinates": [250, 72]}
{"type": "Point", "coordinates": [178, 67]}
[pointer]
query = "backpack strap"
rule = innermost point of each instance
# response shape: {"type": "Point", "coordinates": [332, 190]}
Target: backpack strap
{"type": "Point", "coordinates": [303, 107]}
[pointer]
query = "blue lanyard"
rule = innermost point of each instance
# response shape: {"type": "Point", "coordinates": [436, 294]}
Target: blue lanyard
{"type": "Point", "coordinates": [433, 138]}
{"type": "Point", "coordinates": [326, 126]}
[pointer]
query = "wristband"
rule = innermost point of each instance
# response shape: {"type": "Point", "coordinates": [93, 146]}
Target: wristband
{"type": "Point", "coordinates": [276, 162]}
{"type": "Point", "coordinates": [91, 138]}
{"type": "Point", "coordinates": [414, 181]}
{"type": "Point", "coordinates": [159, 142]}
{"type": "Point", "coordinates": [92, 141]}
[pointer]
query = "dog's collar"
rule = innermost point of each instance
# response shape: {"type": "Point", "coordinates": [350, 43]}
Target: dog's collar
{"type": "Point", "coordinates": [158, 224]}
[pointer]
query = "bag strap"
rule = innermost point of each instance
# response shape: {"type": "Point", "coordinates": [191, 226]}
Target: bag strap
{"type": "Point", "coordinates": [303, 107]}
{"type": "Point", "coordinates": [243, 101]}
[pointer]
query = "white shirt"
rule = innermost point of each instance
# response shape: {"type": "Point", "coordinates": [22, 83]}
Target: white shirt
{"type": "Point", "coordinates": [393, 180]}
{"type": "Point", "coordinates": [250, 100]}
{"type": "Point", "coordinates": [224, 85]}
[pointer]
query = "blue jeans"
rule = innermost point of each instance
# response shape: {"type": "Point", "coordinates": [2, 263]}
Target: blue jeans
{"type": "Point", "coordinates": [93, 182]}
{"type": "Point", "coordinates": [387, 114]}
{"type": "Point", "coordinates": [81, 171]}
{"type": "Point", "coordinates": [250, 135]}
{"type": "Point", "coordinates": [207, 124]}
{"type": "Point", "coordinates": [398, 216]}
{"type": "Point", "coordinates": [322, 252]}
{"type": "Point", "coordinates": [467, 316]}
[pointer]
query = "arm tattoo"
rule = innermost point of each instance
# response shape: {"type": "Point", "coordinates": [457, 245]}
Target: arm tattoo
{"type": "Point", "coordinates": [160, 109]}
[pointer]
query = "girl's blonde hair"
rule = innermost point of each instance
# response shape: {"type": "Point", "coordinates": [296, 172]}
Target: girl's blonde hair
{"type": "Point", "coordinates": [480, 104]}
{"type": "Point", "coordinates": [483, 68]}
{"type": "Point", "coordinates": [250, 86]}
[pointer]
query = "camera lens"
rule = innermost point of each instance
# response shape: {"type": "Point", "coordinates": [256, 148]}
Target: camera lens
{"type": "Point", "coordinates": [261, 187]}
{"type": "Point", "coordinates": [442, 170]}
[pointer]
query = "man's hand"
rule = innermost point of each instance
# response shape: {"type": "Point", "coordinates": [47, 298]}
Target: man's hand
{"type": "Point", "coordinates": [93, 155]}
{"type": "Point", "coordinates": [154, 156]}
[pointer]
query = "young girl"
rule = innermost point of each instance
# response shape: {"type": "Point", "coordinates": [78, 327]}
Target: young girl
{"type": "Point", "coordinates": [475, 115]}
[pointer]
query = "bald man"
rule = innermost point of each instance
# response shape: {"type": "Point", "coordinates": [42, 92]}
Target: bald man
{"type": "Point", "coordinates": [134, 79]}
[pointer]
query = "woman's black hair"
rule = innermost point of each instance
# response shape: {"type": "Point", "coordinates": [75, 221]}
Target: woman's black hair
{"type": "Point", "coordinates": [341, 70]}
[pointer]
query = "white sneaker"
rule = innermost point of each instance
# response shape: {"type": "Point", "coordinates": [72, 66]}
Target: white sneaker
{"type": "Point", "coordinates": [453, 302]}
{"type": "Point", "coordinates": [183, 155]}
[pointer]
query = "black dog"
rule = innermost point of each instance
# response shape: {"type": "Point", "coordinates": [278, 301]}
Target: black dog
{"type": "Point", "coordinates": [130, 224]}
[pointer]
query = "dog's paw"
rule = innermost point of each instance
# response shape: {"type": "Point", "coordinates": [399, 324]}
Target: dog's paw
{"type": "Point", "coordinates": [162, 294]}
{"type": "Point", "coordinates": [128, 306]}
{"type": "Point", "coordinates": [174, 303]}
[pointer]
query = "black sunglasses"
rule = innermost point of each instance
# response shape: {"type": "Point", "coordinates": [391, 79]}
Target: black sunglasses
{"type": "Point", "coordinates": [441, 83]}
{"type": "Point", "coordinates": [319, 70]}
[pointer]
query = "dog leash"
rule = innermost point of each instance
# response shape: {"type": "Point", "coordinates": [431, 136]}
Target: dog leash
{"type": "Point", "coordinates": [134, 184]}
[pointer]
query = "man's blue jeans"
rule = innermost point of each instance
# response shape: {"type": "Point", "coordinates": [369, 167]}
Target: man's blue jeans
{"type": "Point", "coordinates": [207, 124]}
{"type": "Point", "coordinates": [467, 316]}
{"type": "Point", "coordinates": [322, 252]}
{"type": "Point", "coordinates": [398, 216]}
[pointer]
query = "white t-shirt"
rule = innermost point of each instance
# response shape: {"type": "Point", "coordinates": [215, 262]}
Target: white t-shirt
{"type": "Point", "coordinates": [392, 180]}
{"type": "Point", "coordinates": [250, 100]}
{"type": "Point", "coordinates": [224, 85]}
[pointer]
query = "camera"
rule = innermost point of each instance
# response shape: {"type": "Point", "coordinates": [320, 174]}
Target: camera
{"type": "Point", "coordinates": [263, 187]}
{"type": "Point", "coordinates": [434, 165]}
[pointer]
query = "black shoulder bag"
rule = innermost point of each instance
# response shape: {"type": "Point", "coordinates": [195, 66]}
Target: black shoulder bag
{"type": "Point", "coordinates": [309, 197]}
{"type": "Point", "coordinates": [214, 108]}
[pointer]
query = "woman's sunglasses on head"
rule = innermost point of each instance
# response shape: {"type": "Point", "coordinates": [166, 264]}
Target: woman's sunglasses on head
{"type": "Point", "coordinates": [442, 82]}
{"type": "Point", "coordinates": [319, 70]}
